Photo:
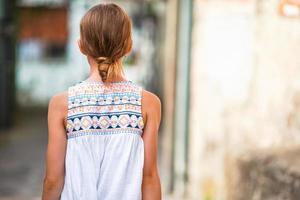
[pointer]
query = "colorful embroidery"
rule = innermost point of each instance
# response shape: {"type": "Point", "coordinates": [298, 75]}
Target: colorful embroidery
{"type": "Point", "coordinates": [101, 109]}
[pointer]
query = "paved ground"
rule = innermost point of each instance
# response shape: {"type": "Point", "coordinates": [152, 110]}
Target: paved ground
{"type": "Point", "coordinates": [22, 150]}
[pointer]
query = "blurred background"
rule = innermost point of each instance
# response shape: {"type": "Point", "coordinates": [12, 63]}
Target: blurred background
{"type": "Point", "coordinates": [227, 72]}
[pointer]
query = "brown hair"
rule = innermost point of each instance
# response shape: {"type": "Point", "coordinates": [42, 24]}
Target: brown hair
{"type": "Point", "coordinates": [105, 35]}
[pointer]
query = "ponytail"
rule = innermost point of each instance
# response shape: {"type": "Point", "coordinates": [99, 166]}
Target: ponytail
{"type": "Point", "coordinates": [108, 69]}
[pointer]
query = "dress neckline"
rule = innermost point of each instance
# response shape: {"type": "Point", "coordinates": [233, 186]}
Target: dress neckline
{"type": "Point", "coordinates": [100, 82]}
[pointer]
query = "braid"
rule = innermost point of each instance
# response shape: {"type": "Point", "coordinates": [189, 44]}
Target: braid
{"type": "Point", "coordinates": [104, 67]}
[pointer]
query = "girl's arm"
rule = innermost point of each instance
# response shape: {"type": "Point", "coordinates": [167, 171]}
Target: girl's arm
{"type": "Point", "coordinates": [151, 109]}
{"type": "Point", "coordinates": [54, 177]}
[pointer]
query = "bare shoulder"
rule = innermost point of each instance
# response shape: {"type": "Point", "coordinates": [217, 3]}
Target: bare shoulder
{"type": "Point", "coordinates": [59, 99]}
{"type": "Point", "coordinates": [151, 108]}
{"type": "Point", "coordinates": [150, 101]}
{"type": "Point", "coordinates": [59, 102]}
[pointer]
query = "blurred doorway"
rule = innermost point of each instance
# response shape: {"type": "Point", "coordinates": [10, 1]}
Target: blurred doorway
{"type": "Point", "coordinates": [7, 61]}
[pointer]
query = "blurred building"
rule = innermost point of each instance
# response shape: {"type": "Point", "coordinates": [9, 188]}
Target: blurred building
{"type": "Point", "coordinates": [47, 46]}
{"type": "Point", "coordinates": [243, 111]}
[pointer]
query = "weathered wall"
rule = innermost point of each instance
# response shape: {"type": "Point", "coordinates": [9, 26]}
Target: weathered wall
{"type": "Point", "coordinates": [245, 88]}
{"type": "Point", "coordinates": [271, 174]}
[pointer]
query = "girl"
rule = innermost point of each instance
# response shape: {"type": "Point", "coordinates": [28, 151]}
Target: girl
{"type": "Point", "coordinates": [102, 132]}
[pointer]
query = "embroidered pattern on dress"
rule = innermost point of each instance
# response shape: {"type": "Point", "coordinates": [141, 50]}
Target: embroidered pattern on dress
{"type": "Point", "coordinates": [100, 109]}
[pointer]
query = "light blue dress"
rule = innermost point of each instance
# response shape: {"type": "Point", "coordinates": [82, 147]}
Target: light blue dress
{"type": "Point", "coordinates": [105, 150]}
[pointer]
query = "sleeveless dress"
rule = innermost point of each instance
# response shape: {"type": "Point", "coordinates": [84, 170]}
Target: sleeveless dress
{"type": "Point", "coordinates": [105, 151]}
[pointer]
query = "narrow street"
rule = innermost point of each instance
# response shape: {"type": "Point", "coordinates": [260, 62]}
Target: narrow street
{"type": "Point", "coordinates": [226, 72]}
{"type": "Point", "coordinates": [22, 150]}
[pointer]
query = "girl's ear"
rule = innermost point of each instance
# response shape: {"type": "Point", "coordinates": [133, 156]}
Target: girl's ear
{"type": "Point", "coordinates": [81, 47]}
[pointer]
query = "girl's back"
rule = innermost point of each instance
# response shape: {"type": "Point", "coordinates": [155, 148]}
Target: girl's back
{"type": "Point", "coordinates": [105, 151]}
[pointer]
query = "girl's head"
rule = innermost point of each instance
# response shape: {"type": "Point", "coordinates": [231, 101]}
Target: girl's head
{"type": "Point", "coordinates": [105, 36]}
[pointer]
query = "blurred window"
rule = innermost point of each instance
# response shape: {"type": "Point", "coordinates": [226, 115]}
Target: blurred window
{"type": "Point", "coordinates": [289, 8]}
{"type": "Point", "coordinates": [43, 32]}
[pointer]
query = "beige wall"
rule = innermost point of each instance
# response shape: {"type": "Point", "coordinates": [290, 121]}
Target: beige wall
{"type": "Point", "coordinates": [167, 132]}
{"type": "Point", "coordinates": [245, 87]}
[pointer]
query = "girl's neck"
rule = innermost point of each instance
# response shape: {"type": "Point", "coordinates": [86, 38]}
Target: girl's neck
{"type": "Point", "coordinates": [94, 73]}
